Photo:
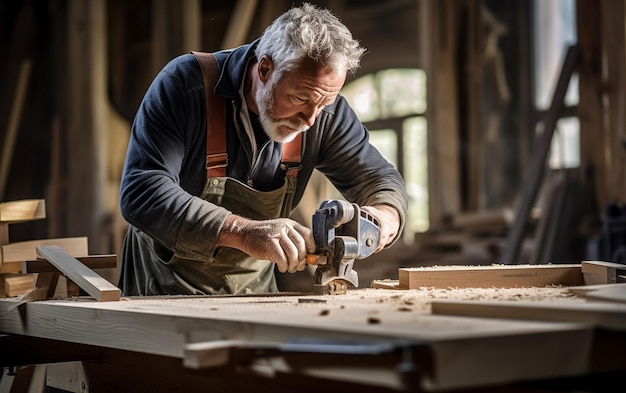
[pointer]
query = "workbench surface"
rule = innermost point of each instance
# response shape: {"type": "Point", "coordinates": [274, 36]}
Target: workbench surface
{"type": "Point", "coordinates": [461, 351]}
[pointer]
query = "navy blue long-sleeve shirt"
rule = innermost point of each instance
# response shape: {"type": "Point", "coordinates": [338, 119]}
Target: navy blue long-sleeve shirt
{"type": "Point", "coordinates": [164, 172]}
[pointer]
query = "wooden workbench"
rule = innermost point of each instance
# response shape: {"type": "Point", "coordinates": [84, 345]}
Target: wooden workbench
{"type": "Point", "coordinates": [366, 340]}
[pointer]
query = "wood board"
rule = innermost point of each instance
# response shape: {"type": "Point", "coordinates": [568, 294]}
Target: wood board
{"type": "Point", "coordinates": [22, 210]}
{"type": "Point", "coordinates": [501, 276]}
{"type": "Point", "coordinates": [17, 284]}
{"type": "Point", "coordinates": [12, 255]}
{"type": "Point", "coordinates": [105, 261]}
{"type": "Point", "coordinates": [465, 352]}
{"type": "Point", "coordinates": [601, 272]}
{"type": "Point", "coordinates": [85, 278]}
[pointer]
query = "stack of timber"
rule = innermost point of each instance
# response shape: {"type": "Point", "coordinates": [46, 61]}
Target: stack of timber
{"type": "Point", "coordinates": [21, 268]}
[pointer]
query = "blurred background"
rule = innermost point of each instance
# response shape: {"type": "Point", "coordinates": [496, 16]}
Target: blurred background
{"type": "Point", "coordinates": [505, 118]}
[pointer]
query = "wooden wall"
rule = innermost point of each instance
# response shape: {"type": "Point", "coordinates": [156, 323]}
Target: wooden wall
{"type": "Point", "coordinates": [602, 98]}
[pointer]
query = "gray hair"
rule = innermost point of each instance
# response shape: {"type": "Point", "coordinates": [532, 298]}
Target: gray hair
{"type": "Point", "coordinates": [313, 32]}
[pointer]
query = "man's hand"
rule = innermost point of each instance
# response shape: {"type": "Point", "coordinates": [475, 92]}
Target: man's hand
{"type": "Point", "coordinates": [282, 240]}
{"type": "Point", "coordinates": [389, 220]}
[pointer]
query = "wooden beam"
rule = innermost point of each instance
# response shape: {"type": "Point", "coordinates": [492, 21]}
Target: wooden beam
{"type": "Point", "coordinates": [500, 276]}
{"type": "Point", "coordinates": [439, 46]}
{"type": "Point", "coordinates": [192, 24]}
{"type": "Point", "coordinates": [25, 251]}
{"type": "Point", "coordinates": [4, 233]}
{"type": "Point", "coordinates": [108, 261]}
{"type": "Point", "coordinates": [240, 22]}
{"type": "Point", "coordinates": [600, 272]}
{"type": "Point", "coordinates": [18, 284]}
{"type": "Point", "coordinates": [23, 210]}
{"type": "Point", "coordinates": [14, 122]}
{"type": "Point", "coordinates": [16, 68]}
{"type": "Point", "coordinates": [536, 169]}
{"type": "Point", "coordinates": [85, 278]}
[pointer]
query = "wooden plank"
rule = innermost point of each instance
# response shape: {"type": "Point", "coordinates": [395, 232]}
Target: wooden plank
{"type": "Point", "coordinates": [18, 284]}
{"type": "Point", "coordinates": [601, 314]}
{"type": "Point", "coordinates": [23, 210]}
{"type": "Point", "coordinates": [466, 351]}
{"type": "Point", "coordinates": [386, 284]}
{"type": "Point", "coordinates": [212, 353]}
{"type": "Point", "coordinates": [25, 251]}
{"type": "Point", "coordinates": [501, 276]}
{"type": "Point", "coordinates": [85, 278]}
{"type": "Point", "coordinates": [4, 233]}
{"type": "Point", "coordinates": [600, 272]}
{"type": "Point", "coordinates": [107, 261]}
{"type": "Point", "coordinates": [46, 285]}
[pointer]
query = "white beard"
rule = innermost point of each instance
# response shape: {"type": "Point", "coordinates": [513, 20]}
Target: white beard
{"type": "Point", "coordinates": [264, 102]}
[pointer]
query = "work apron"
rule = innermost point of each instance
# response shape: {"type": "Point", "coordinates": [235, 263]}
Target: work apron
{"type": "Point", "coordinates": [231, 270]}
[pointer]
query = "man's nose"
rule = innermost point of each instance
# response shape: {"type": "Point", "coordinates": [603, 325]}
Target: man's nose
{"type": "Point", "coordinates": [309, 114]}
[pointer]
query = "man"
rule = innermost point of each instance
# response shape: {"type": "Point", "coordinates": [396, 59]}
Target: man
{"type": "Point", "coordinates": [194, 232]}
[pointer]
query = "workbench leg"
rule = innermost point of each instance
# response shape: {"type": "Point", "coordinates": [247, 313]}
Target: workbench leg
{"type": "Point", "coordinates": [28, 379]}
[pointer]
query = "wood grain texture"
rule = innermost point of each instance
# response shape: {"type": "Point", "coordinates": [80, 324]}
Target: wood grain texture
{"type": "Point", "coordinates": [500, 276]}
{"type": "Point", "coordinates": [17, 284]}
{"type": "Point", "coordinates": [25, 251]}
{"type": "Point", "coordinates": [465, 351]}
{"type": "Point", "coordinates": [4, 233]}
{"type": "Point", "coordinates": [601, 272]}
{"type": "Point", "coordinates": [106, 261]}
{"type": "Point", "coordinates": [23, 210]}
{"type": "Point", "coordinates": [85, 278]}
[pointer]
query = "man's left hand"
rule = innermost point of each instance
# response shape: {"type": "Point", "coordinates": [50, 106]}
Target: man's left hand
{"type": "Point", "coordinates": [389, 220]}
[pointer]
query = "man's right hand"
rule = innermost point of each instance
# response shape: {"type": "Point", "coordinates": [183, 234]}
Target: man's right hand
{"type": "Point", "coordinates": [282, 240]}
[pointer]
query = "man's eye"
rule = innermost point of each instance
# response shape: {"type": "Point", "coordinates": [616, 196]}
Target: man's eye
{"type": "Point", "coordinates": [299, 99]}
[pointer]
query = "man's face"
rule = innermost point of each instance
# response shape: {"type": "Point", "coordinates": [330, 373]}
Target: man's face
{"type": "Point", "coordinates": [290, 105]}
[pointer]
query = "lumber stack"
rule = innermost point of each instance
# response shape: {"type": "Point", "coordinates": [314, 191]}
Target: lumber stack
{"type": "Point", "coordinates": [20, 269]}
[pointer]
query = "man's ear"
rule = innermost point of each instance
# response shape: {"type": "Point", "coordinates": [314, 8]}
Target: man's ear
{"type": "Point", "coordinates": [265, 67]}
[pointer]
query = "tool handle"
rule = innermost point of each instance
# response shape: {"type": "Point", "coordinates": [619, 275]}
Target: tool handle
{"type": "Point", "coordinates": [316, 259]}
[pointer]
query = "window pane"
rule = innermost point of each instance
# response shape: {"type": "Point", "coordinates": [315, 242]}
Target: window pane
{"type": "Point", "coordinates": [386, 142]}
{"type": "Point", "coordinates": [402, 92]}
{"type": "Point", "coordinates": [555, 31]}
{"type": "Point", "coordinates": [565, 149]}
{"type": "Point", "coordinates": [416, 174]}
{"type": "Point", "coordinates": [363, 97]}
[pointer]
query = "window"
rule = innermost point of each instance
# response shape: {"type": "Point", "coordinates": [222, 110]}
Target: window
{"type": "Point", "coordinates": [391, 104]}
{"type": "Point", "coordinates": [555, 31]}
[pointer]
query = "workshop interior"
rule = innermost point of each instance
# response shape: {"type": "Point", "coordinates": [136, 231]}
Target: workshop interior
{"type": "Point", "coordinates": [506, 120]}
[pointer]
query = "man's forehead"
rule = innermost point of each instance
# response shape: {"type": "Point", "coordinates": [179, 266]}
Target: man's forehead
{"type": "Point", "coordinates": [320, 79]}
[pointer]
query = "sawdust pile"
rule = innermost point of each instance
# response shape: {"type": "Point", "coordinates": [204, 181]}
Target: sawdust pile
{"type": "Point", "coordinates": [419, 299]}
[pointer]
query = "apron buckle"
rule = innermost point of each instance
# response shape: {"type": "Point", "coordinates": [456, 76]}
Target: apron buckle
{"type": "Point", "coordinates": [219, 160]}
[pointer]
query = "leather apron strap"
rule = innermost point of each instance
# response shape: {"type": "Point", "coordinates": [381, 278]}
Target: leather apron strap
{"type": "Point", "coordinates": [216, 156]}
{"type": "Point", "coordinates": [230, 270]}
